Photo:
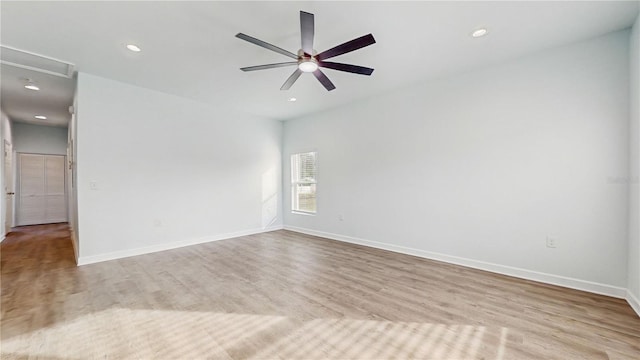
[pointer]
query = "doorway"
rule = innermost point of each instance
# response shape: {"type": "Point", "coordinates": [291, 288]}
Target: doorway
{"type": "Point", "coordinates": [8, 186]}
{"type": "Point", "coordinates": [41, 189]}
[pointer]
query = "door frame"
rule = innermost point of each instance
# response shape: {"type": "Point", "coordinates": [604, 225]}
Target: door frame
{"type": "Point", "coordinates": [9, 187]}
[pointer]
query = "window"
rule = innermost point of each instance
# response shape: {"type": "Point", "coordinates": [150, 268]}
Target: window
{"type": "Point", "coordinates": [303, 182]}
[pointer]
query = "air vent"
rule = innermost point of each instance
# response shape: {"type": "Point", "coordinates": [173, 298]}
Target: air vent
{"type": "Point", "coordinates": [27, 60]}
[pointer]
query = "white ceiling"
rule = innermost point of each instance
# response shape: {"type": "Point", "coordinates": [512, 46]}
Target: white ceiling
{"type": "Point", "coordinates": [20, 104]}
{"type": "Point", "coordinates": [189, 48]}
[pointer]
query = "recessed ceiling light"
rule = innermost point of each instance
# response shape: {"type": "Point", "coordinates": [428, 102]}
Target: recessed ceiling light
{"type": "Point", "coordinates": [292, 99]}
{"type": "Point", "coordinates": [31, 86]}
{"type": "Point", "coordinates": [479, 33]}
{"type": "Point", "coordinates": [133, 48]}
{"type": "Point", "coordinates": [41, 117]}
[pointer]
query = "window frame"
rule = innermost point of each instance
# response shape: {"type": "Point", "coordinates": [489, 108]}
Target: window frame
{"type": "Point", "coordinates": [295, 183]}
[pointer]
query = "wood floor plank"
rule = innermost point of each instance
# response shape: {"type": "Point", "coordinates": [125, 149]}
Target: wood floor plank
{"type": "Point", "coordinates": [284, 295]}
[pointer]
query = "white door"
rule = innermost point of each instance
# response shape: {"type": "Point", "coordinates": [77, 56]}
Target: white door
{"type": "Point", "coordinates": [8, 187]}
{"type": "Point", "coordinates": [55, 190]}
{"type": "Point", "coordinates": [42, 198]}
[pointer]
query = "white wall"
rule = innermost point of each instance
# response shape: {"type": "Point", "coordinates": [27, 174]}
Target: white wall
{"type": "Point", "coordinates": [634, 213]}
{"type": "Point", "coordinates": [5, 134]}
{"type": "Point", "coordinates": [40, 139]}
{"type": "Point", "coordinates": [169, 171]}
{"type": "Point", "coordinates": [480, 168]}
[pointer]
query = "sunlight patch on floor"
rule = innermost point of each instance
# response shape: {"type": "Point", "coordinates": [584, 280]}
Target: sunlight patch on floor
{"type": "Point", "coordinates": [370, 339]}
{"type": "Point", "coordinates": [169, 334]}
{"type": "Point", "coordinates": [130, 333]}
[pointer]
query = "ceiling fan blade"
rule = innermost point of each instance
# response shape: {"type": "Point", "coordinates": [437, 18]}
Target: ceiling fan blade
{"type": "Point", "coordinates": [307, 31]}
{"type": "Point", "coordinates": [269, 66]}
{"type": "Point", "coordinates": [287, 84]}
{"type": "Point", "coordinates": [324, 80]}
{"type": "Point", "coordinates": [266, 45]}
{"type": "Point", "coordinates": [346, 67]}
{"type": "Point", "coordinates": [349, 46]}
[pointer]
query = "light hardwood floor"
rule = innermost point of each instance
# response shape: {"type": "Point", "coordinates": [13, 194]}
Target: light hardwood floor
{"type": "Point", "coordinates": [283, 295]}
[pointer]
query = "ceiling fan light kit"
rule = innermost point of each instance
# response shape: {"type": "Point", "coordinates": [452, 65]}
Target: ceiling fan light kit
{"type": "Point", "coordinates": [308, 60]}
{"type": "Point", "coordinates": [309, 65]}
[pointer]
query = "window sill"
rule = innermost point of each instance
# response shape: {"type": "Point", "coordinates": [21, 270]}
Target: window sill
{"type": "Point", "coordinates": [296, 212]}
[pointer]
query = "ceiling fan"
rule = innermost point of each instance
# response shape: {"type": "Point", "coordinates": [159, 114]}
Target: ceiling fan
{"type": "Point", "coordinates": [308, 60]}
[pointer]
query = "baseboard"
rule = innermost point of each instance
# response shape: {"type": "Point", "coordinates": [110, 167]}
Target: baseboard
{"type": "Point", "coordinates": [592, 287]}
{"type": "Point", "coordinates": [2, 237]}
{"type": "Point", "coordinates": [85, 260]}
{"type": "Point", "coordinates": [634, 302]}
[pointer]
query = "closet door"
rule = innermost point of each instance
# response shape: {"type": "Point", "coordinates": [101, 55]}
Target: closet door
{"type": "Point", "coordinates": [55, 200]}
{"type": "Point", "coordinates": [42, 197]}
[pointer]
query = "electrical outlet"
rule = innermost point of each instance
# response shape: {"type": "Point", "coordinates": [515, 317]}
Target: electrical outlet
{"type": "Point", "coordinates": [93, 185]}
{"type": "Point", "coordinates": [340, 217]}
{"type": "Point", "coordinates": [157, 223]}
{"type": "Point", "coordinates": [552, 242]}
